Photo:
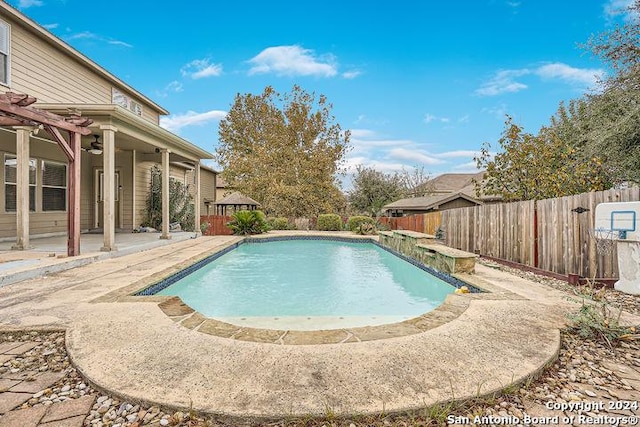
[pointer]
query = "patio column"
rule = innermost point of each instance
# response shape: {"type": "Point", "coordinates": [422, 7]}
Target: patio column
{"type": "Point", "coordinates": [134, 192]}
{"type": "Point", "coordinates": [22, 188]}
{"type": "Point", "coordinates": [109, 173]}
{"type": "Point", "coordinates": [165, 195]}
{"type": "Point", "coordinates": [197, 200]}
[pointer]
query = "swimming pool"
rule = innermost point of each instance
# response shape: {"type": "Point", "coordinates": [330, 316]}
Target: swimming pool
{"type": "Point", "coordinates": [310, 284]}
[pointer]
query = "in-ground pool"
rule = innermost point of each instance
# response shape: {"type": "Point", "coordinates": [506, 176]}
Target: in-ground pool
{"type": "Point", "coordinates": [310, 284]}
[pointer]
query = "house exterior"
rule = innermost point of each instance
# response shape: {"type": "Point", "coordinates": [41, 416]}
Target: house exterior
{"type": "Point", "coordinates": [446, 191]}
{"type": "Point", "coordinates": [115, 160]}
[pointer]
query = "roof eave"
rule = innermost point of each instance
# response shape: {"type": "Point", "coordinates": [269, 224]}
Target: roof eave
{"type": "Point", "coordinates": [132, 119]}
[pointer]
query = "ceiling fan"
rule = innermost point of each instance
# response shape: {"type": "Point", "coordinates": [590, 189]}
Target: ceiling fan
{"type": "Point", "coordinates": [96, 146]}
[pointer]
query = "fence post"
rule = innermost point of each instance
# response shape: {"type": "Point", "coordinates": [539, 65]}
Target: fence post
{"type": "Point", "coordinates": [535, 234]}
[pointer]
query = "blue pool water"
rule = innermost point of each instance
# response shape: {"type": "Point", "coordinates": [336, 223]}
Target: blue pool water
{"type": "Point", "coordinates": [310, 278]}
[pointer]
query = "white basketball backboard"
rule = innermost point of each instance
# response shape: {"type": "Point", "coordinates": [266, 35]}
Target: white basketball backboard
{"type": "Point", "coordinates": [620, 217]}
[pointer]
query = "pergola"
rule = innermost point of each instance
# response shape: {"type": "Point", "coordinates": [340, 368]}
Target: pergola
{"type": "Point", "coordinates": [237, 201]}
{"type": "Point", "coordinates": [16, 111]}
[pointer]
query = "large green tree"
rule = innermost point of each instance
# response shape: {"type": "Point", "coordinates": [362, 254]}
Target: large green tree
{"type": "Point", "coordinates": [373, 189]}
{"type": "Point", "coordinates": [537, 166]}
{"type": "Point", "coordinates": [614, 112]}
{"type": "Point", "coordinates": [284, 150]}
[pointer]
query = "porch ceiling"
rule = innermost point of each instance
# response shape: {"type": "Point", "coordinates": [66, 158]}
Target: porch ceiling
{"type": "Point", "coordinates": [134, 132]}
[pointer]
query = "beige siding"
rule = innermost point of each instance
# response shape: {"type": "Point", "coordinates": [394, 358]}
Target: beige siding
{"type": "Point", "coordinates": [86, 191]}
{"type": "Point", "coordinates": [42, 70]}
{"type": "Point", "coordinates": [207, 189]}
{"type": "Point", "coordinates": [143, 180]}
{"type": "Point", "coordinates": [123, 166]}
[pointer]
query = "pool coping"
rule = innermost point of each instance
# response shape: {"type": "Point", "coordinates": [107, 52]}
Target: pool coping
{"type": "Point", "coordinates": [182, 314]}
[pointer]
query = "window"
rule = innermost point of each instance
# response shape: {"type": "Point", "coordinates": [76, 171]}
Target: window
{"type": "Point", "coordinates": [54, 186]}
{"type": "Point", "coordinates": [4, 53]}
{"type": "Point", "coordinates": [11, 187]}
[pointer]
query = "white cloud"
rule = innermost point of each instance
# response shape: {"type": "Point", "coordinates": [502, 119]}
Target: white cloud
{"type": "Point", "coordinates": [414, 156]}
{"type": "Point", "coordinates": [51, 26]}
{"type": "Point", "coordinates": [362, 133]}
{"type": "Point", "coordinates": [499, 111]}
{"type": "Point", "coordinates": [503, 82]}
{"type": "Point", "coordinates": [173, 87]}
{"type": "Point", "coordinates": [83, 35]}
{"type": "Point", "coordinates": [463, 119]}
{"type": "Point", "coordinates": [579, 76]}
{"type": "Point", "coordinates": [457, 153]}
{"type": "Point", "coordinates": [293, 61]}
{"type": "Point", "coordinates": [191, 118]}
{"type": "Point", "coordinates": [24, 4]}
{"type": "Point", "coordinates": [616, 8]}
{"type": "Point", "coordinates": [429, 118]}
{"type": "Point", "coordinates": [466, 167]}
{"type": "Point", "coordinates": [200, 68]}
{"type": "Point", "coordinates": [351, 74]}
{"type": "Point", "coordinates": [514, 4]}
{"type": "Point", "coordinates": [88, 35]}
{"type": "Point", "coordinates": [119, 43]}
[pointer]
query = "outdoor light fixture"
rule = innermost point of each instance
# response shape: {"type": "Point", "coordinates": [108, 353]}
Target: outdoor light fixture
{"type": "Point", "coordinates": [96, 147]}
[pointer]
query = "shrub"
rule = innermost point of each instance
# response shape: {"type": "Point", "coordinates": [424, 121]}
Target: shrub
{"type": "Point", "coordinates": [180, 203]}
{"type": "Point", "coordinates": [329, 222]}
{"type": "Point", "coordinates": [280, 224]}
{"type": "Point", "coordinates": [248, 222]}
{"type": "Point", "coordinates": [367, 228]}
{"type": "Point", "coordinates": [354, 222]}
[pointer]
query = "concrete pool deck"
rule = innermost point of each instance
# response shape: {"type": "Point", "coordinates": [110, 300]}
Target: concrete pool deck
{"type": "Point", "coordinates": [132, 349]}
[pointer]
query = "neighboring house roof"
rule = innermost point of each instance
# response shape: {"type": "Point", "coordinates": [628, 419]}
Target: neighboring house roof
{"type": "Point", "coordinates": [237, 199]}
{"type": "Point", "coordinates": [55, 41]}
{"type": "Point", "coordinates": [450, 182]}
{"type": "Point", "coordinates": [429, 202]}
{"type": "Point", "coordinates": [470, 190]}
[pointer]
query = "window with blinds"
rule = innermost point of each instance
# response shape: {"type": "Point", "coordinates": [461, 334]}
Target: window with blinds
{"type": "Point", "coordinates": [11, 187]}
{"type": "Point", "coordinates": [54, 186]}
{"type": "Point", "coordinates": [4, 53]}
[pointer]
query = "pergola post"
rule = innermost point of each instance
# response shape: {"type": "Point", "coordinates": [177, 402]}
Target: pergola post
{"type": "Point", "coordinates": [165, 195]}
{"type": "Point", "coordinates": [197, 200]}
{"type": "Point", "coordinates": [108, 191]}
{"type": "Point", "coordinates": [22, 188]}
{"type": "Point", "coordinates": [73, 205]}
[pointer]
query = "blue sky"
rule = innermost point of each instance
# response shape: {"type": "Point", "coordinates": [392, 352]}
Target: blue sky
{"type": "Point", "coordinates": [422, 82]}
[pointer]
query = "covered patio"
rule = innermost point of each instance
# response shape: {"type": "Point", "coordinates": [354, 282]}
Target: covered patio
{"type": "Point", "coordinates": [114, 161]}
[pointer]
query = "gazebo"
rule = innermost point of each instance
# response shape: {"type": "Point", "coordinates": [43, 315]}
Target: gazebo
{"type": "Point", "coordinates": [237, 201]}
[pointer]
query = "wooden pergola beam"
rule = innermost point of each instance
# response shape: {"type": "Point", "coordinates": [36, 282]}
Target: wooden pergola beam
{"type": "Point", "coordinates": [16, 110]}
{"type": "Point", "coordinates": [10, 105]}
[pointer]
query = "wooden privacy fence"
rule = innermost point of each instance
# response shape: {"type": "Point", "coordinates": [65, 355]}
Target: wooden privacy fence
{"type": "Point", "coordinates": [503, 230]}
{"type": "Point", "coordinates": [551, 234]}
{"type": "Point", "coordinates": [426, 223]}
{"type": "Point", "coordinates": [217, 225]}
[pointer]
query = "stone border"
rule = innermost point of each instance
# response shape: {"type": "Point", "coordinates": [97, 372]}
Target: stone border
{"type": "Point", "coordinates": [144, 291]}
{"type": "Point", "coordinates": [181, 313]}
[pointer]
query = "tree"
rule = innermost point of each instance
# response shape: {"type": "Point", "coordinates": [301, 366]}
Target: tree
{"type": "Point", "coordinates": [415, 183]}
{"type": "Point", "coordinates": [373, 189]}
{"type": "Point", "coordinates": [285, 151]}
{"type": "Point", "coordinates": [537, 166]}
{"type": "Point", "coordinates": [614, 113]}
